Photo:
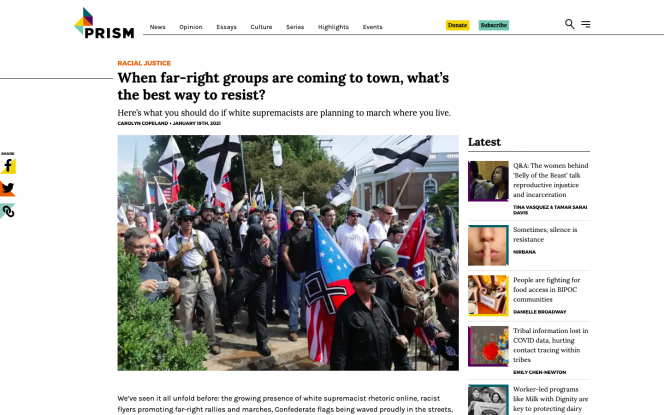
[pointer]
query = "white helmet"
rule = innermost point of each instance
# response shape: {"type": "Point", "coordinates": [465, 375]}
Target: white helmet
{"type": "Point", "coordinates": [297, 209]}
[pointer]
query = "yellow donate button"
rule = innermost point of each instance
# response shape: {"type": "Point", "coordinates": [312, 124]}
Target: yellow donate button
{"type": "Point", "coordinates": [457, 25]}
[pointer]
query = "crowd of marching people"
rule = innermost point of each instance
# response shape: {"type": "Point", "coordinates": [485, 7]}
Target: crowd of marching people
{"type": "Point", "coordinates": [209, 262]}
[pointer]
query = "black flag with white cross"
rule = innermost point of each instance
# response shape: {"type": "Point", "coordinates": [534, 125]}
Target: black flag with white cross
{"type": "Point", "coordinates": [214, 157]}
{"type": "Point", "coordinates": [400, 159]}
{"type": "Point", "coordinates": [343, 191]}
{"type": "Point", "coordinates": [171, 154]}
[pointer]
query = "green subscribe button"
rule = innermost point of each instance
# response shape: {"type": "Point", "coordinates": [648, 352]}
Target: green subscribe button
{"type": "Point", "coordinates": [494, 25]}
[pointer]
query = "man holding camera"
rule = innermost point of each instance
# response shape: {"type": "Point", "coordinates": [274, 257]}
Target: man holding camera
{"type": "Point", "coordinates": [154, 282]}
{"type": "Point", "coordinates": [188, 250]}
{"type": "Point", "coordinates": [157, 245]}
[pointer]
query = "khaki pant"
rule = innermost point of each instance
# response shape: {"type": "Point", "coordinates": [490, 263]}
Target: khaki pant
{"type": "Point", "coordinates": [190, 287]}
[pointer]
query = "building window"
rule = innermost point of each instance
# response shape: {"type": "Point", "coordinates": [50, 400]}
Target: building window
{"type": "Point", "coordinates": [430, 187]}
{"type": "Point", "coordinates": [381, 197]}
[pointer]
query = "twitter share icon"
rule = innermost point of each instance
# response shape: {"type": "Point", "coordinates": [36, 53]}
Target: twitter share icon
{"type": "Point", "coordinates": [6, 189]}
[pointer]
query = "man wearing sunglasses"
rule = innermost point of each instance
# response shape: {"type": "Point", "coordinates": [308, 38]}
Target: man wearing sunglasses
{"type": "Point", "coordinates": [353, 238]}
{"type": "Point", "coordinates": [364, 327]}
{"type": "Point", "coordinates": [188, 250]}
{"type": "Point", "coordinates": [378, 229]}
{"type": "Point", "coordinates": [137, 242]}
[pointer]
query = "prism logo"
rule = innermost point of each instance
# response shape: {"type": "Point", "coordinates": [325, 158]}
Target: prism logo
{"type": "Point", "coordinates": [84, 25]}
{"type": "Point", "coordinates": [86, 20]}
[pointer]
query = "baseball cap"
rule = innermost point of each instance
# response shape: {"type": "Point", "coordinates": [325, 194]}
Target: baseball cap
{"type": "Point", "coordinates": [353, 210]}
{"type": "Point", "coordinates": [431, 233]}
{"type": "Point", "coordinates": [362, 273]}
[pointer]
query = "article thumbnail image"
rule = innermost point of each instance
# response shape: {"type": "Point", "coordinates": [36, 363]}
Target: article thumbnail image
{"type": "Point", "coordinates": [488, 181]}
{"type": "Point", "coordinates": [488, 399]}
{"type": "Point", "coordinates": [488, 346]}
{"type": "Point", "coordinates": [488, 295]}
{"type": "Point", "coordinates": [488, 245]}
{"type": "Point", "coordinates": [260, 252]}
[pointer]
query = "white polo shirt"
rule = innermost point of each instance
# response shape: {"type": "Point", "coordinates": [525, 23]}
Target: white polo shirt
{"type": "Point", "coordinates": [191, 258]}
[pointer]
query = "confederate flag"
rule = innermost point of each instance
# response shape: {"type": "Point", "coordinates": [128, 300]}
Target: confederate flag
{"type": "Point", "coordinates": [176, 184]}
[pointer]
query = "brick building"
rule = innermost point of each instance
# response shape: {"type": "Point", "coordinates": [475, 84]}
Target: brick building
{"type": "Point", "coordinates": [384, 188]}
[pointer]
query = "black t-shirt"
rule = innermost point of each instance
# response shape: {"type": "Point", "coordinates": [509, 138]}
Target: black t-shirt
{"type": "Point", "coordinates": [300, 247]}
{"type": "Point", "coordinates": [332, 233]}
{"type": "Point", "coordinates": [174, 230]}
{"type": "Point", "coordinates": [234, 227]}
{"type": "Point", "coordinates": [217, 234]}
{"type": "Point", "coordinates": [152, 271]}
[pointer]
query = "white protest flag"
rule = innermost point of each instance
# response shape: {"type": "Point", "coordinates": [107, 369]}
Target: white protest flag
{"type": "Point", "coordinates": [160, 201]}
{"type": "Point", "coordinates": [259, 194]}
{"type": "Point", "coordinates": [343, 191]}
{"type": "Point", "coordinates": [171, 152]}
{"type": "Point", "coordinates": [122, 218]}
{"type": "Point", "coordinates": [401, 159]}
{"type": "Point", "coordinates": [210, 190]}
{"type": "Point", "coordinates": [214, 157]}
{"type": "Point", "coordinates": [148, 209]}
{"type": "Point", "coordinates": [481, 408]}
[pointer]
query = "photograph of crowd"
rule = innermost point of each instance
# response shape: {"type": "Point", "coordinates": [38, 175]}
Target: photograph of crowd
{"type": "Point", "coordinates": [488, 399]}
{"type": "Point", "coordinates": [266, 253]}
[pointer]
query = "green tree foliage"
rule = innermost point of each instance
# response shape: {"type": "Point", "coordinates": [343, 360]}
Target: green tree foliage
{"type": "Point", "coordinates": [305, 168]}
{"type": "Point", "coordinates": [147, 340]}
{"type": "Point", "coordinates": [129, 183]}
{"type": "Point", "coordinates": [448, 195]}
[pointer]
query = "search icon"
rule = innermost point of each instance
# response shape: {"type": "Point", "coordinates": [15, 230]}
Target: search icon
{"type": "Point", "coordinates": [569, 23]}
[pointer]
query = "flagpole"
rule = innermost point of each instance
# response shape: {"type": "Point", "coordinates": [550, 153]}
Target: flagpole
{"type": "Point", "coordinates": [402, 189]}
{"type": "Point", "coordinates": [244, 174]}
{"type": "Point", "coordinates": [276, 266]}
{"type": "Point", "coordinates": [352, 199]}
{"type": "Point", "coordinates": [170, 141]}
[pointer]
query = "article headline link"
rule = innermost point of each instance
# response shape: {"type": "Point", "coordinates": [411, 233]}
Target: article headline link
{"type": "Point", "coordinates": [257, 81]}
